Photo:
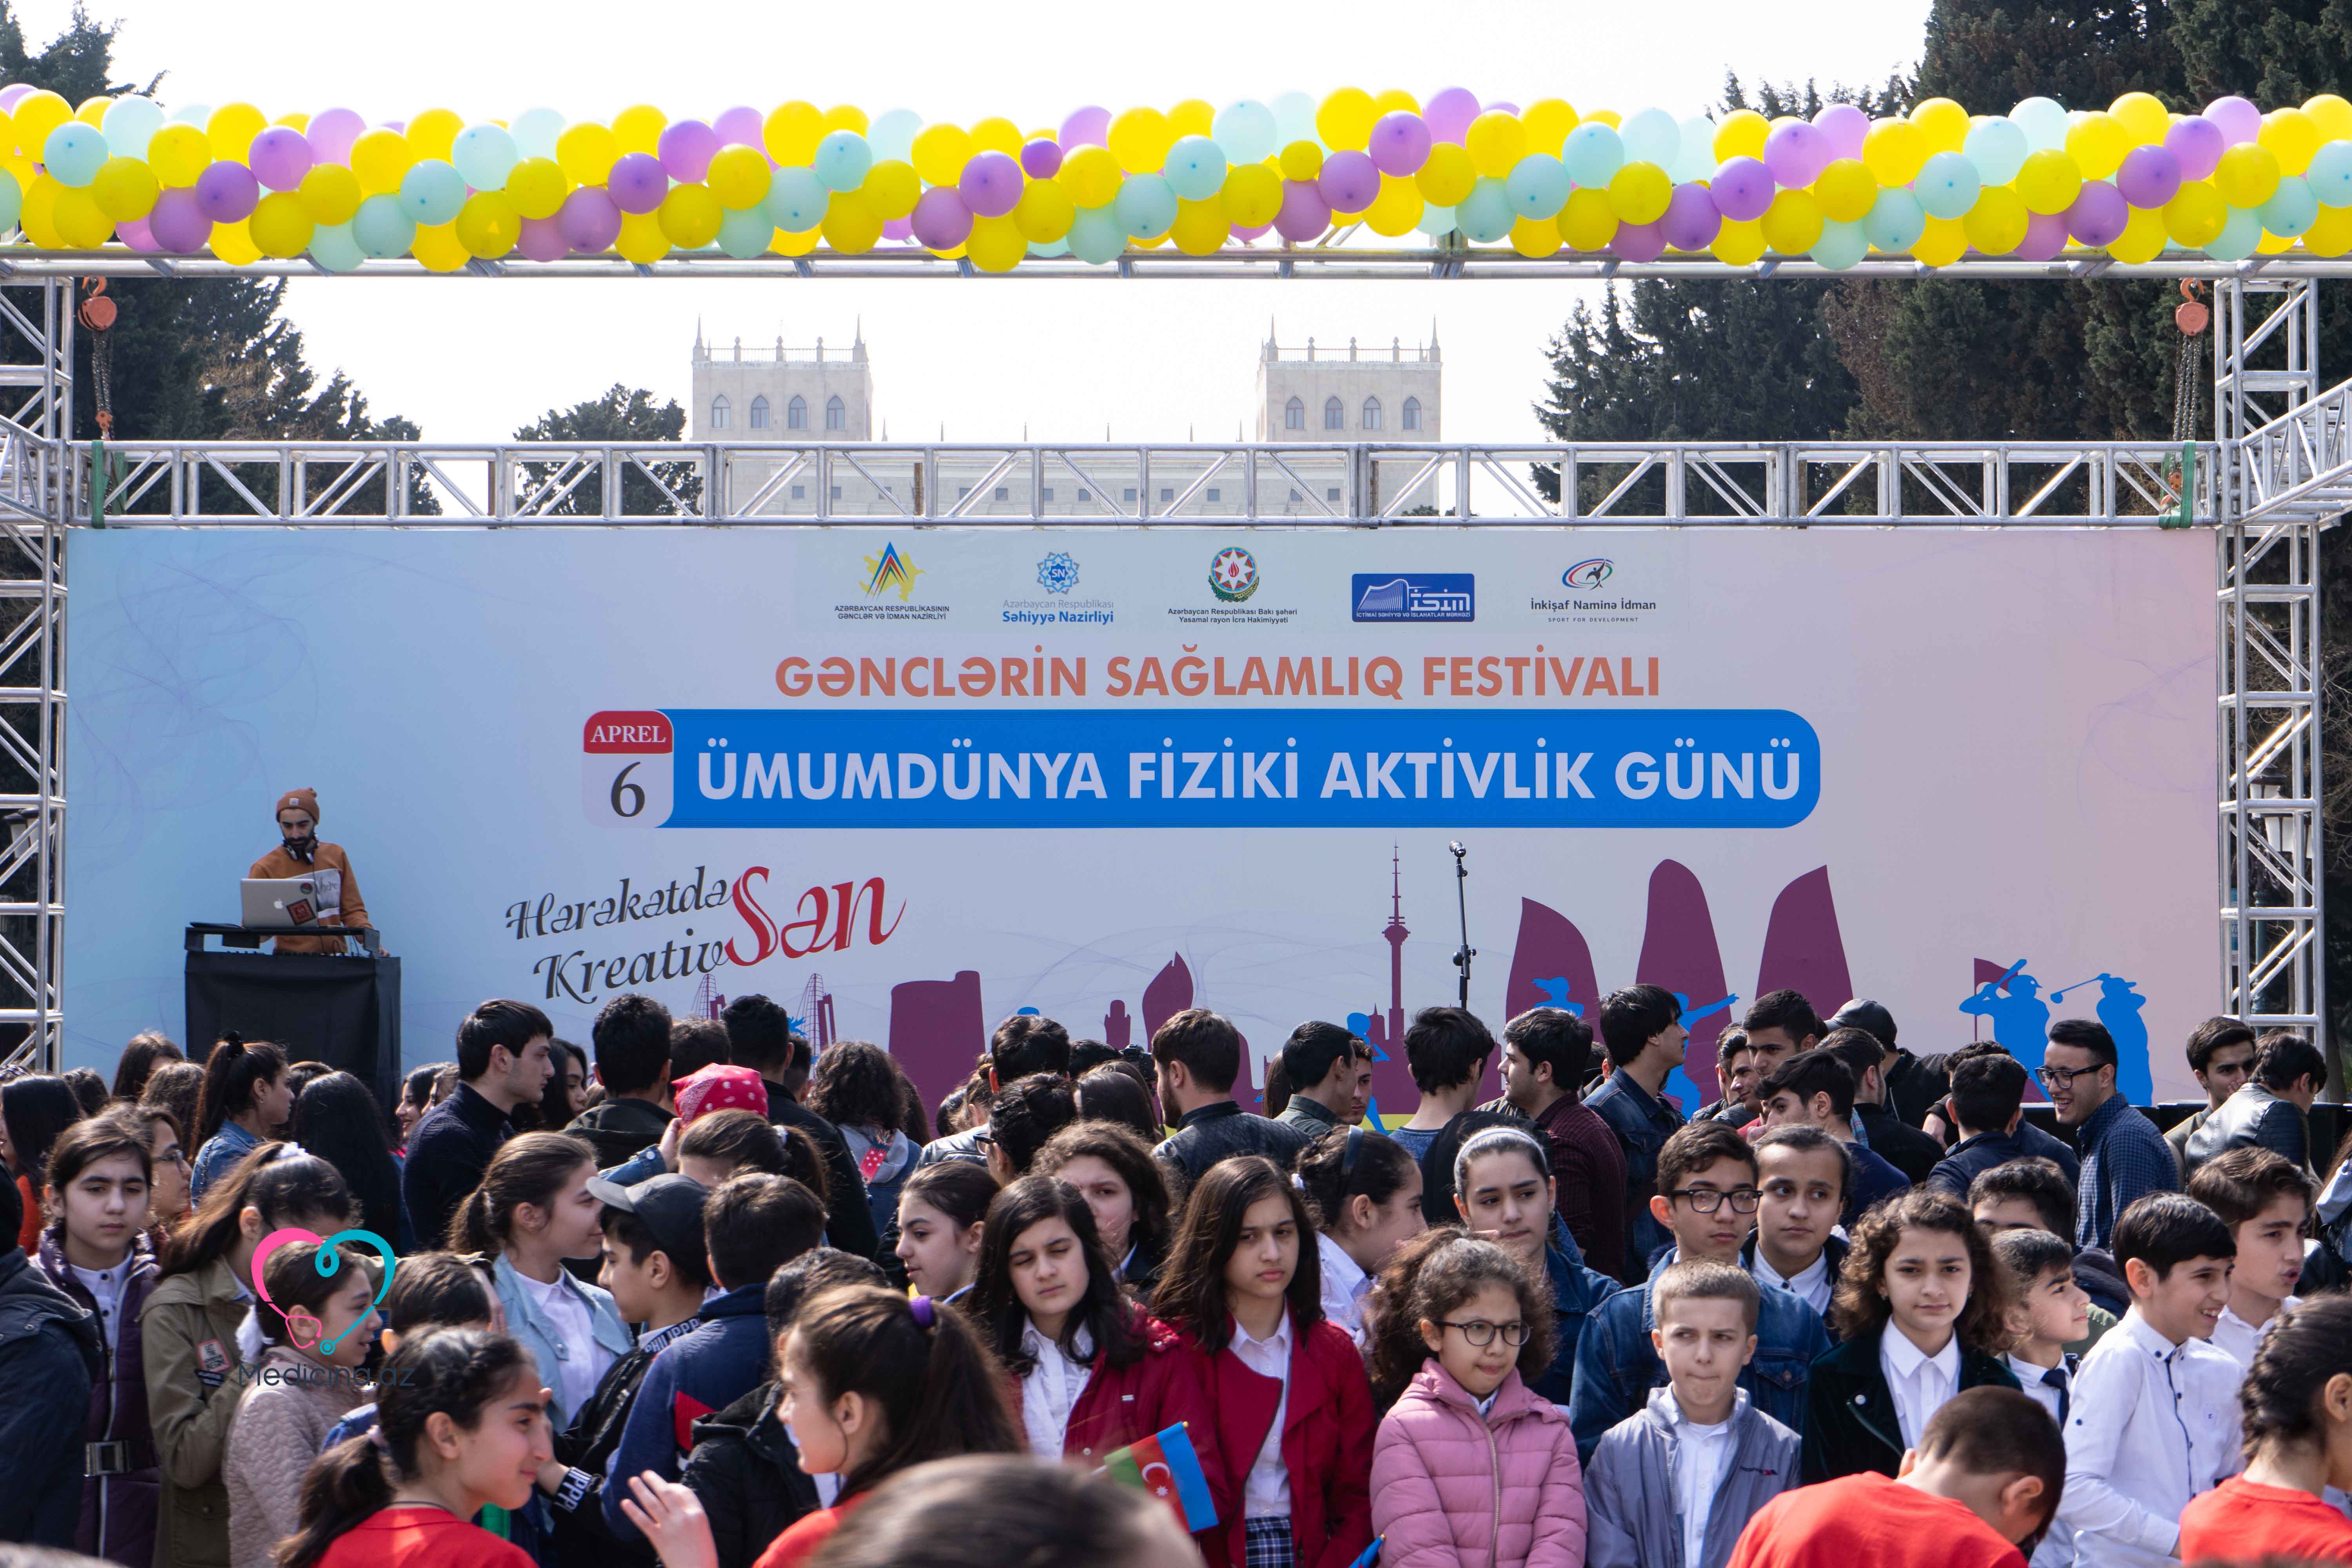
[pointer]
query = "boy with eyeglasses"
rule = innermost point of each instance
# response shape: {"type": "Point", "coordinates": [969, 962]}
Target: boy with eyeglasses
{"type": "Point", "coordinates": [1707, 1200]}
{"type": "Point", "coordinates": [2125, 1158]}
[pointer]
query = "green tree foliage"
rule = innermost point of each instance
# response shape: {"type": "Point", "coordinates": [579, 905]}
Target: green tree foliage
{"type": "Point", "coordinates": [622, 414]}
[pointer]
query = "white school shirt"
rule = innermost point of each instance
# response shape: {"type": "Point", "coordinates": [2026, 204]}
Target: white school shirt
{"type": "Point", "coordinates": [1266, 1492]}
{"type": "Point", "coordinates": [2057, 1548]}
{"type": "Point", "coordinates": [2236, 1337]}
{"type": "Point", "coordinates": [1700, 1453]}
{"type": "Point", "coordinates": [1050, 1390]}
{"type": "Point", "coordinates": [1344, 1287]}
{"type": "Point", "coordinates": [574, 1325]}
{"type": "Point", "coordinates": [1921, 1384]}
{"type": "Point", "coordinates": [106, 1287]}
{"type": "Point", "coordinates": [1810, 1284]}
{"type": "Point", "coordinates": [2153, 1425]}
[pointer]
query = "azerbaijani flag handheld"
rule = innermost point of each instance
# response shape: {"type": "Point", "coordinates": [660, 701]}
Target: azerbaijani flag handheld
{"type": "Point", "coordinates": [1165, 1466]}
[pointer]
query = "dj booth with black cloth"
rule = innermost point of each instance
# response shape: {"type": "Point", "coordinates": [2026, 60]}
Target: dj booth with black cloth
{"type": "Point", "coordinates": [341, 1009]}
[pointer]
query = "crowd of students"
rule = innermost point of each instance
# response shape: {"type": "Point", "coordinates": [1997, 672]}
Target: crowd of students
{"type": "Point", "coordinates": [690, 1297]}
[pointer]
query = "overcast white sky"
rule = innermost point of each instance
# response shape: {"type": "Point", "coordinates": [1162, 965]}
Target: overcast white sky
{"type": "Point", "coordinates": [471, 359]}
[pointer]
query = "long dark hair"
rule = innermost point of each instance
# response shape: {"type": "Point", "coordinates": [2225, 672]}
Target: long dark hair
{"type": "Point", "coordinates": [148, 1050]}
{"type": "Point", "coordinates": [531, 1168]}
{"type": "Point", "coordinates": [1858, 1307]}
{"type": "Point", "coordinates": [96, 1138]}
{"type": "Point", "coordinates": [337, 1118]}
{"type": "Point", "coordinates": [279, 1180]}
{"type": "Point", "coordinates": [297, 1283]}
{"type": "Point", "coordinates": [960, 1189]}
{"type": "Point", "coordinates": [230, 1074]}
{"type": "Point", "coordinates": [986, 1510]}
{"type": "Point", "coordinates": [178, 1087]}
{"type": "Point", "coordinates": [36, 1109]}
{"type": "Point", "coordinates": [1102, 1311]}
{"type": "Point", "coordinates": [1349, 1162]}
{"type": "Point", "coordinates": [1111, 1093]}
{"type": "Point", "coordinates": [2308, 1348]}
{"type": "Point", "coordinates": [856, 1086]}
{"type": "Point", "coordinates": [941, 1391]}
{"type": "Point", "coordinates": [1123, 1151]}
{"type": "Point", "coordinates": [1429, 1278]}
{"type": "Point", "coordinates": [1191, 1293]}
{"type": "Point", "coordinates": [454, 1372]}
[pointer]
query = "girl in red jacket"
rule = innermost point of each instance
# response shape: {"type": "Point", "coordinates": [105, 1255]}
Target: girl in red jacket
{"type": "Point", "coordinates": [1292, 1410]}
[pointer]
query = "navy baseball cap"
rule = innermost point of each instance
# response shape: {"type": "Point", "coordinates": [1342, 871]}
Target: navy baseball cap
{"type": "Point", "coordinates": [669, 1206]}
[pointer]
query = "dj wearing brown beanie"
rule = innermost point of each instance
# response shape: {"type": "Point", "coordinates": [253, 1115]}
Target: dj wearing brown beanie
{"type": "Point", "coordinates": [302, 855]}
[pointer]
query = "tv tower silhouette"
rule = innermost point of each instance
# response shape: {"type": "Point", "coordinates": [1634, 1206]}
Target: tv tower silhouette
{"type": "Point", "coordinates": [1394, 933]}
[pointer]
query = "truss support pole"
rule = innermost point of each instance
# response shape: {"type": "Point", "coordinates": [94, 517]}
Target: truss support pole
{"type": "Point", "coordinates": [2272, 882]}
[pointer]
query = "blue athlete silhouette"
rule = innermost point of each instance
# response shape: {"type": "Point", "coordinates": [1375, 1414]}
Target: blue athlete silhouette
{"type": "Point", "coordinates": [2021, 1021]}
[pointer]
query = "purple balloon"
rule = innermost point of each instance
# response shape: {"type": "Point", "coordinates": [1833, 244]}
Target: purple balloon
{"type": "Point", "coordinates": [135, 233]}
{"type": "Point", "coordinates": [990, 185]}
{"type": "Point", "coordinates": [1797, 153]}
{"type": "Point", "coordinates": [1640, 241]}
{"type": "Point", "coordinates": [2098, 215]}
{"type": "Point", "coordinates": [1691, 219]}
{"type": "Point", "coordinates": [2239, 120]}
{"type": "Point", "coordinates": [899, 229]}
{"type": "Point", "coordinates": [1349, 181]}
{"type": "Point", "coordinates": [2199, 143]}
{"type": "Point", "coordinates": [941, 221]}
{"type": "Point", "coordinates": [1304, 213]}
{"type": "Point", "coordinates": [281, 155]}
{"type": "Point", "coordinates": [178, 221]}
{"type": "Point", "coordinates": [590, 219]}
{"type": "Point", "coordinates": [2150, 176]}
{"type": "Point", "coordinates": [1844, 126]}
{"type": "Point", "coordinates": [1400, 142]}
{"type": "Point", "coordinates": [1086, 127]}
{"type": "Point", "coordinates": [1449, 112]}
{"type": "Point", "coordinates": [227, 192]}
{"type": "Point", "coordinates": [542, 240]}
{"type": "Point", "coordinates": [332, 134]}
{"type": "Point", "coordinates": [1742, 188]}
{"type": "Point", "coordinates": [1041, 159]}
{"type": "Point", "coordinates": [2046, 236]}
{"type": "Point", "coordinates": [639, 181]}
{"type": "Point", "coordinates": [686, 149]}
{"type": "Point", "coordinates": [742, 126]}
{"type": "Point", "coordinates": [1256, 231]}
{"type": "Point", "coordinates": [16, 92]}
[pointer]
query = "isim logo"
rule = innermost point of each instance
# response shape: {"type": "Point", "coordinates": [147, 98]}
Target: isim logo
{"type": "Point", "coordinates": [1413, 596]}
{"type": "Point", "coordinates": [890, 571]}
{"type": "Point", "coordinates": [1588, 574]}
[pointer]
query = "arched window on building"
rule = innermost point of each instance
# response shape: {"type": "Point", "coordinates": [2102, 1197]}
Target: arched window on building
{"type": "Point", "coordinates": [1294, 415]}
{"type": "Point", "coordinates": [1335, 417]}
{"type": "Point", "coordinates": [759, 413]}
{"type": "Point", "coordinates": [1411, 414]}
{"type": "Point", "coordinates": [718, 414]}
{"type": "Point", "coordinates": [836, 414]}
{"type": "Point", "coordinates": [1371, 413]}
{"type": "Point", "coordinates": [796, 412]}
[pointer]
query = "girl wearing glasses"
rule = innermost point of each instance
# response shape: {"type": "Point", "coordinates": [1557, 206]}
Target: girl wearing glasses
{"type": "Point", "coordinates": [1471, 1466]}
{"type": "Point", "coordinates": [1291, 1409]}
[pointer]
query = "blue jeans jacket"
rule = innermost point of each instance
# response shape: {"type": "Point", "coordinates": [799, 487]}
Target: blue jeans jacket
{"type": "Point", "coordinates": [1575, 1291]}
{"type": "Point", "coordinates": [1642, 1124]}
{"type": "Point", "coordinates": [538, 1336]}
{"type": "Point", "coordinates": [1616, 1367]}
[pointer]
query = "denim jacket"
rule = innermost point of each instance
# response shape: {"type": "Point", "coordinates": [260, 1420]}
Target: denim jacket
{"type": "Point", "coordinates": [1577, 1293]}
{"type": "Point", "coordinates": [1642, 1124]}
{"type": "Point", "coordinates": [537, 1335]}
{"type": "Point", "coordinates": [1616, 1367]}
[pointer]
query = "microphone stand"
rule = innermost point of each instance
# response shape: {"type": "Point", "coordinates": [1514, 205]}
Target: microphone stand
{"type": "Point", "coordinates": [1465, 953]}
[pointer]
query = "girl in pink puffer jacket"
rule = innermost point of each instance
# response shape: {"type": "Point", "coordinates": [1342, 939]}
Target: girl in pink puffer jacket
{"type": "Point", "coordinates": [1472, 1469]}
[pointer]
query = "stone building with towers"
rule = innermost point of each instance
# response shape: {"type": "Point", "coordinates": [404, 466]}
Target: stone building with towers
{"type": "Point", "coordinates": [1327, 393]}
{"type": "Point", "coordinates": [772, 393]}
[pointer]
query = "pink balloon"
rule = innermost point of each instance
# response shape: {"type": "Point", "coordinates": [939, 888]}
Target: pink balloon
{"type": "Point", "coordinates": [2150, 176]}
{"type": "Point", "coordinates": [941, 220]}
{"type": "Point", "coordinates": [332, 134]}
{"type": "Point", "coordinates": [1449, 112]}
{"type": "Point", "coordinates": [1041, 159]}
{"type": "Point", "coordinates": [1349, 181]}
{"type": "Point", "coordinates": [1691, 221]}
{"type": "Point", "coordinates": [2239, 120]}
{"type": "Point", "coordinates": [990, 185]}
{"type": "Point", "coordinates": [1086, 127]}
{"type": "Point", "coordinates": [135, 233]}
{"type": "Point", "coordinates": [590, 220]}
{"type": "Point", "coordinates": [1844, 126]}
{"type": "Point", "coordinates": [2199, 143]}
{"type": "Point", "coordinates": [1399, 143]}
{"type": "Point", "coordinates": [1797, 153]}
{"type": "Point", "coordinates": [279, 157]}
{"type": "Point", "coordinates": [11, 95]}
{"type": "Point", "coordinates": [1742, 188]}
{"type": "Point", "coordinates": [2045, 237]}
{"type": "Point", "coordinates": [1304, 213]}
{"type": "Point", "coordinates": [1638, 241]}
{"type": "Point", "coordinates": [742, 126]}
{"type": "Point", "coordinates": [542, 240]}
{"type": "Point", "coordinates": [177, 223]}
{"type": "Point", "coordinates": [686, 149]}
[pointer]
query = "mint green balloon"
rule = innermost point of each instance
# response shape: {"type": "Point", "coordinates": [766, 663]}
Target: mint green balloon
{"type": "Point", "coordinates": [1840, 245]}
{"type": "Point", "coordinates": [796, 200]}
{"type": "Point", "coordinates": [334, 248]}
{"type": "Point", "coordinates": [382, 228]}
{"type": "Point", "coordinates": [746, 233]}
{"type": "Point", "coordinates": [1195, 169]}
{"type": "Point", "coordinates": [1145, 206]}
{"type": "Point", "coordinates": [2241, 236]}
{"type": "Point", "coordinates": [2292, 209]}
{"type": "Point", "coordinates": [1096, 236]}
{"type": "Point", "coordinates": [432, 192]}
{"type": "Point", "coordinates": [1485, 214]}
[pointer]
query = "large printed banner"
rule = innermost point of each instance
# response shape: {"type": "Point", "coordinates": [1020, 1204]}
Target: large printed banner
{"type": "Point", "coordinates": [909, 781]}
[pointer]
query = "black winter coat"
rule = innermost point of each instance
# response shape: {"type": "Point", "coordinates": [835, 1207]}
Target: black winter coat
{"type": "Point", "coordinates": [1850, 1424]}
{"type": "Point", "coordinates": [748, 1475]}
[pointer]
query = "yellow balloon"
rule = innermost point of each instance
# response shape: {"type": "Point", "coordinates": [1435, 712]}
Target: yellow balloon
{"type": "Point", "coordinates": [792, 133]}
{"type": "Point", "coordinates": [1739, 242]}
{"type": "Point", "coordinates": [2291, 137]}
{"type": "Point", "coordinates": [2049, 182]}
{"type": "Point", "coordinates": [79, 222]}
{"type": "Point", "coordinates": [93, 110]}
{"type": "Point", "coordinates": [587, 152]}
{"type": "Point", "coordinates": [1344, 120]}
{"type": "Point", "coordinates": [1893, 150]}
{"type": "Point", "coordinates": [996, 243]}
{"type": "Point", "coordinates": [851, 228]}
{"type": "Point", "coordinates": [1044, 212]}
{"type": "Point", "coordinates": [330, 194]}
{"type": "Point", "coordinates": [38, 218]}
{"type": "Point", "coordinates": [690, 215]}
{"type": "Point", "coordinates": [996, 135]}
{"type": "Point", "coordinates": [1586, 223]}
{"type": "Point", "coordinates": [36, 115]}
{"type": "Point", "coordinates": [302, 122]}
{"type": "Point", "coordinates": [2331, 235]}
{"type": "Point", "coordinates": [1845, 191]}
{"type": "Point", "coordinates": [178, 154]}
{"type": "Point", "coordinates": [845, 117]}
{"type": "Point", "coordinates": [1139, 140]}
{"type": "Point", "coordinates": [488, 225]}
{"type": "Point", "coordinates": [126, 188]}
{"type": "Point", "coordinates": [379, 157]}
{"type": "Point", "coordinates": [641, 239]}
{"type": "Point", "coordinates": [891, 187]}
{"type": "Point", "coordinates": [2195, 216]}
{"type": "Point", "coordinates": [2143, 117]}
{"type": "Point", "coordinates": [1301, 161]}
{"type": "Point", "coordinates": [1253, 195]}
{"type": "Point", "coordinates": [1996, 224]}
{"type": "Point", "coordinates": [2143, 237]}
{"type": "Point", "coordinates": [1535, 238]}
{"type": "Point", "coordinates": [638, 128]}
{"type": "Point", "coordinates": [1639, 192]}
{"type": "Point", "coordinates": [1447, 176]}
{"type": "Point", "coordinates": [231, 130]}
{"type": "Point", "coordinates": [1941, 243]}
{"type": "Point", "coordinates": [233, 243]}
{"type": "Point", "coordinates": [738, 177]}
{"type": "Point", "coordinates": [1741, 135]}
{"type": "Point", "coordinates": [1394, 100]}
{"type": "Point", "coordinates": [2271, 244]}
{"type": "Point", "coordinates": [1090, 174]}
{"type": "Point", "coordinates": [1944, 124]}
{"type": "Point", "coordinates": [1547, 120]}
{"type": "Point", "coordinates": [2333, 115]}
{"type": "Point", "coordinates": [1193, 117]}
{"type": "Point", "coordinates": [438, 249]}
{"type": "Point", "coordinates": [1201, 228]}
{"type": "Point", "coordinates": [941, 151]}
{"type": "Point", "coordinates": [7, 133]}
{"type": "Point", "coordinates": [280, 226]}
{"type": "Point", "coordinates": [537, 186]}
{"type": "Point", "coordinates": [1497, 142]}
{"type": "Point", "coordinates": [2097, 143]}
{"type": "Point", "coordinates": [1398, 207]}
{"type": "Point", "coordinates": [1792, 224]}
{"type": "Point", "coordinates": [434, 133]}
{"type": "Point", "coordinates": [2248, 175]}
{"type": "Point", "coordinates": [788, 244]}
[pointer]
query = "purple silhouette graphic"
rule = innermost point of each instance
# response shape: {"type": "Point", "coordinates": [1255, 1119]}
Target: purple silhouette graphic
{"type": "Point", "coordinates": [1170, 992]}
{"type": "Point", "coordinates": [1803, 948]}
{"type": "Point", "coordinates": [1679, 952]}
{"type": "Point", "coordinates": [1552, 966]}
{"type": "Point", "coordinates": [1117, 1027]}
{"type": "Point", "coordinates": [937, 1031]}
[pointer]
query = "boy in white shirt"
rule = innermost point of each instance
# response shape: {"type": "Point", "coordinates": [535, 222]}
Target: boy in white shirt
{"type": "Point", "coordinates": [2048, 1311]}
{"type": "Point", "coordinates": [2265, 1200]}
{"type": "Point", "coordinates": [2153, 1420]}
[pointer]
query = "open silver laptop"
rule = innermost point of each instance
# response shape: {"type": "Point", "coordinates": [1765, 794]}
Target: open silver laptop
{"type": "Point", "coordinates": [280, 902]}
